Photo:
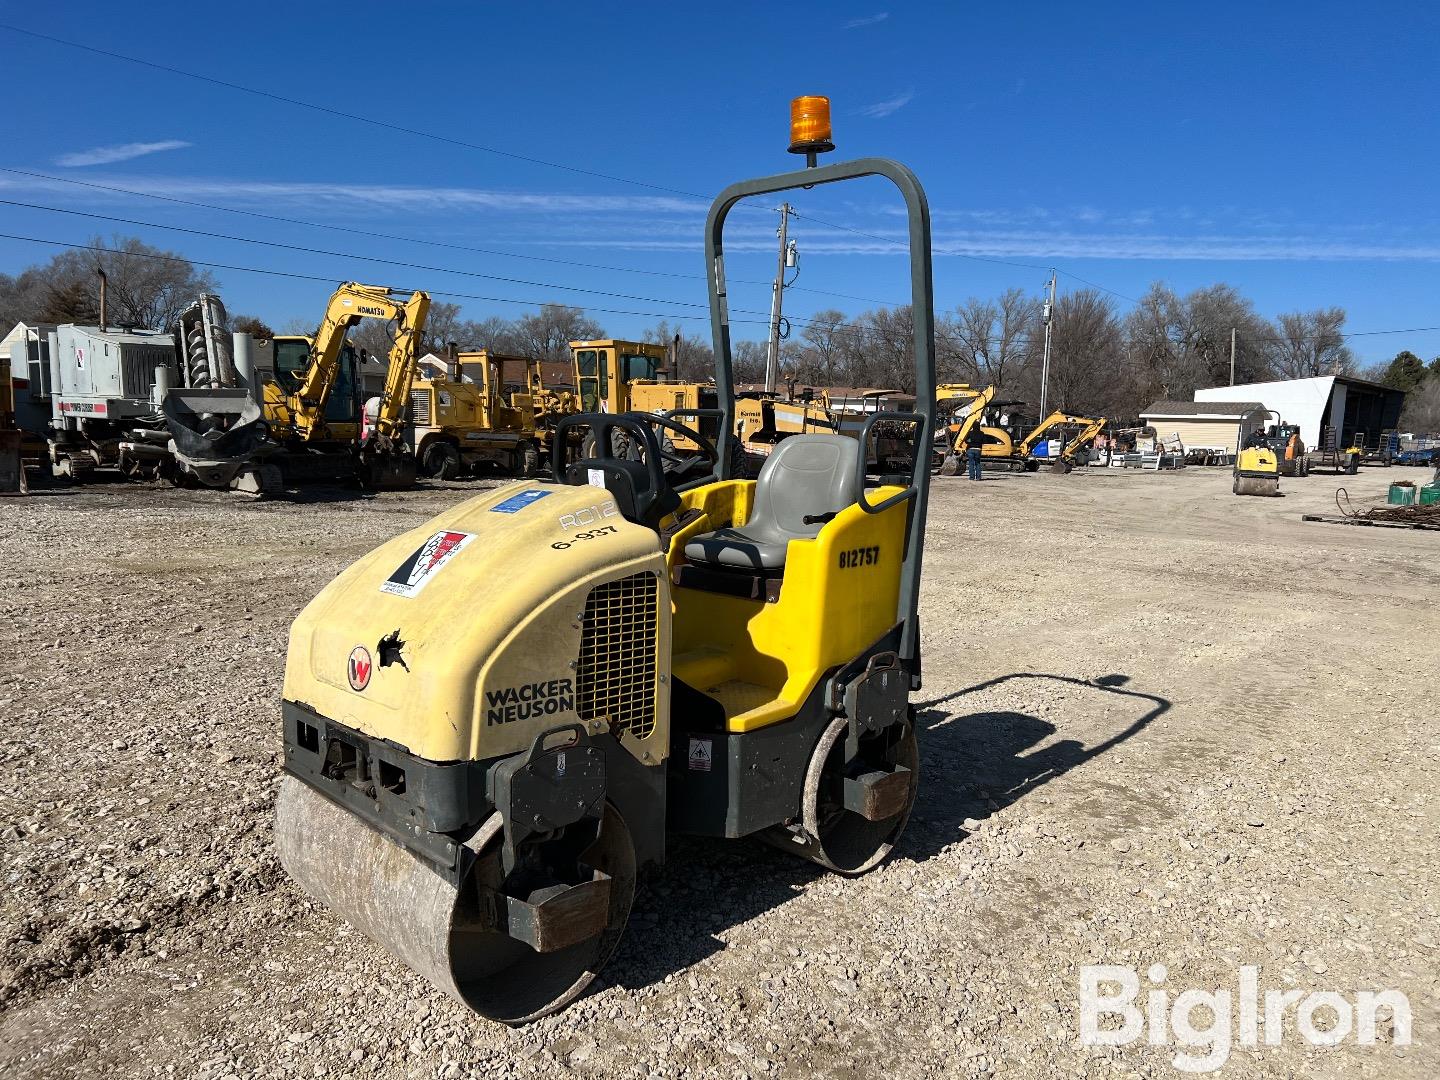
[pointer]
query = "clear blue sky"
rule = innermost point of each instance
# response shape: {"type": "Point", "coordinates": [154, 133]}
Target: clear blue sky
{"type": "Point", "coordinates": [1288, 149]}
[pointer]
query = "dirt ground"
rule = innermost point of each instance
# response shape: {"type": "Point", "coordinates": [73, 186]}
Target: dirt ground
{"type": "Point", "coordinates": [1160, 725]}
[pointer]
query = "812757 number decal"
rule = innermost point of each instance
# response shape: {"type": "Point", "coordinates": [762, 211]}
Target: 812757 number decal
{"type": "Point", "coordinates": [866, 556]}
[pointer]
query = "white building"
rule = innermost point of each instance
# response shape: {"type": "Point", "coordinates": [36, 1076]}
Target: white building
{"type": "Point", "coordinates": [1352, 406]}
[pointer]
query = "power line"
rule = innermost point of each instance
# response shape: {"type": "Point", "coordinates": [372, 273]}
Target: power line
{"type": "Point", "coordinates": [376, 259]}
{"type": "Point", "coordinates": [1102, 288]}
{"type": "Point", "coordinates": [415, 239]}
{"type": "Point", "coordinates": [449, 140]}
{"type": "Point", "coordinates": [346, 254]}
{"type": "Point", "coordinates": [330, 280]}
{"type": "Point", "coordinates": [353, 231]}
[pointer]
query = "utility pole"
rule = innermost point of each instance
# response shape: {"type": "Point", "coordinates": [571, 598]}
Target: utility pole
{"type": "Point", "coordinates": [787, 259]}
{"type": "Point", "coordinates": [1049, 313]}
{"type": "Point", "coordinates": [1232, 356]}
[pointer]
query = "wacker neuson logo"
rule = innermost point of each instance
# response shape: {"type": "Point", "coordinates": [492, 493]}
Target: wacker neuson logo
{"type": "Point", "coordinates": [1208, 1024]}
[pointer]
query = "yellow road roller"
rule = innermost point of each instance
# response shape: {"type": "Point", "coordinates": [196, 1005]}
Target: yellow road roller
{"type": "Point", "coordinates": [1257, 472]}
{"type": "Point", "coordinates": [493, 722]}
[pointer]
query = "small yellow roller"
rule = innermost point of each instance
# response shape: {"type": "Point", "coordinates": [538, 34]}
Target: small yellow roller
{"type": "Point", "coordinates": [1257, 472]}
{"type": "Point", "coordinates": [494, 722]}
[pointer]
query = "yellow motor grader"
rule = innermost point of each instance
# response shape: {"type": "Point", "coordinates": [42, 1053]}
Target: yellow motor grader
{"type": "Point", "coordinates": [458, 425]}
{"type": "Point", "coordinates": [493, 722]}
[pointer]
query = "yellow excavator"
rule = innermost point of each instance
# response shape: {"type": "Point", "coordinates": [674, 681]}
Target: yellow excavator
{"type": "Point", "coordinates": [297, 415]}
{"type": "Point", "coordinates": [1084, 428]}
{"type": "Point", "coordinates": [965, 406]}
{"type": "Point", "coordinates": [1001, 452]}
{"type": "Point", "coordinates": [494, 722]}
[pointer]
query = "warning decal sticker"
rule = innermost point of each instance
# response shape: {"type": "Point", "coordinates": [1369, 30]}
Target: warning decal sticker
{"type": "Point", "coordinates": [702, 753]}
{"type": "Point", "coordinates": [518, 501]}
{"type": "Point", "coordinates": [412, 575]}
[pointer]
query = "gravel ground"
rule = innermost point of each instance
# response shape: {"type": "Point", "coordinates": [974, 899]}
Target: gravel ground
{"type": "Point", "coordinates": [1161, 725]}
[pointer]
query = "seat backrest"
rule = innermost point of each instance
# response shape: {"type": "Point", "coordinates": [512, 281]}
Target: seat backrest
{"type": "Point", "coordinates": [805, 475]}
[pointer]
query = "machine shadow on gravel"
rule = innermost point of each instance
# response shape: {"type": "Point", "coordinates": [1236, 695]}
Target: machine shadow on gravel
{"type": "Point", "coordinates": [991, 760]}
{"type": "Point", "coordinates": [972, 764]}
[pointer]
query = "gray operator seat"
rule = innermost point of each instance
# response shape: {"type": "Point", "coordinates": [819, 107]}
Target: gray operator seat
{"type": "Point", "coordinates": [810, 476]}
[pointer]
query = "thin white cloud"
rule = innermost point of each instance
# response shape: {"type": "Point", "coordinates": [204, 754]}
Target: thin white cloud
{"type": "Point", "coordinates": [400, 198]}
{"type": "Point", "coordinates": [882, 109]}
{"type": "Point", "coordinates": [1039, 245]}
{"type": "Point", "coordinates": [108, 155]}
{"type": "Point", "coordinates": [665, 223]}
{"type": "Point", "coordinates": [868, 20]}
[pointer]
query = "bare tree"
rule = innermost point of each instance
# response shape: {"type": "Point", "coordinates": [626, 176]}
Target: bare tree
{"type": "Point", "coordinates": [547, 334]}
{"type": "Point", "coordinates": [820, 353]}
{"type": "Point", "coordinates": [1310, 343]}
{"type": "Point", "coordinates": [693, 358]}
{"type": "Point", "coordinates": [1087, 353]}
{"type": "Point", "coordinates": [30, 297]}
{"type": "Point", "coordinates": [747, 361]}
{"type": "Point", "coordinates": [496, 334]}
{"type": "Point", "coordinates": [146, 286]}
{"type": "Point", "coordinates": [1215, 312]}
{"type": "Point", "coordinates": [886, 357]}
{"type": "Point", "coordinates": [989, 341]}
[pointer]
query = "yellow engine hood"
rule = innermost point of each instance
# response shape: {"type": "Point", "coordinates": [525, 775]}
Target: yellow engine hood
{"type": "Point", "coordinates": [485, 601]}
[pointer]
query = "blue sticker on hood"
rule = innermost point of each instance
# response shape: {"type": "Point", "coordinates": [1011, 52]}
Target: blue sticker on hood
{"type": "Point", "coordinates": [518, 501]}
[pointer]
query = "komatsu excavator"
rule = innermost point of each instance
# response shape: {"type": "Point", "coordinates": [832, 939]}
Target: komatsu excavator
{"type": "Point", "coordinates": [297, 417]}
{"type": "Point", "coordinates": [493, 722]}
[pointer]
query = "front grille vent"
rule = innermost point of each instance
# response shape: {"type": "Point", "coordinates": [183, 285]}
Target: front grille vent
{"type": "Point", "coordinates": [137, 368]}
{"type": "Point", "coordinates": [420, 407]}
{"type": "Point", "coordinates": [615, 674]}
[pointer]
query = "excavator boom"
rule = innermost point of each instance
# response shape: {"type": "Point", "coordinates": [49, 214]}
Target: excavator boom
{"type": "Point", "coordinates": [351, 303]}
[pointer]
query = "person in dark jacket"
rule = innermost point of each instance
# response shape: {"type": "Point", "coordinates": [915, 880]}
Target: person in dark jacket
{"type": "Point", "coordinates": [973, 441]}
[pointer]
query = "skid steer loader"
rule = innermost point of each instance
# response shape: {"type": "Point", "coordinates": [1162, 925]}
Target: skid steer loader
{"type": "Point", "coordinates": [493, 722]}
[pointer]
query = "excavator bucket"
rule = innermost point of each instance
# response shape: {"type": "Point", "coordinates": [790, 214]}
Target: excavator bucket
{"type": "Point", "coordinates": [388, 472]}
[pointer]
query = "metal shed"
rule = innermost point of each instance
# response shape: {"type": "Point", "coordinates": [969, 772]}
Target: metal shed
{"type": "Point", "coordinates": [1340, 401]}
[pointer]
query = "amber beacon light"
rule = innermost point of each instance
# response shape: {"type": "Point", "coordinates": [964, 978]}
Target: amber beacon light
{"type": "Point", "coordinates": [810, 126]}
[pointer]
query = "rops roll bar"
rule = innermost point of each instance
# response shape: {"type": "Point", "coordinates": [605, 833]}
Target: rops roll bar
{"type": "Point", "coordinates": [922, 306]}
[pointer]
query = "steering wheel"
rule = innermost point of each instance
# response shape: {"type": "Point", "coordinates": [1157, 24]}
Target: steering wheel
{"type": "Point", "coordinates": [678, 467]}
{"type": "Point", "coordinates": [636, 475]}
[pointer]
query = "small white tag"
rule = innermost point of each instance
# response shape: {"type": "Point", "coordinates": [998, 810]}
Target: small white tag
{"type": "Point", "coordinates": [560, 764]}
{"type": "Point", "coordinates": [701, 754]}
{"type": "Point", "coordinates": [597, 477]}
